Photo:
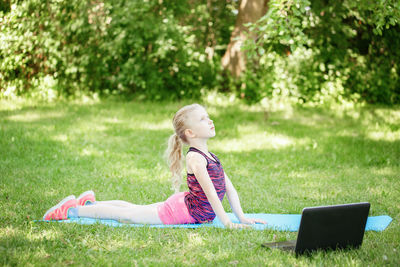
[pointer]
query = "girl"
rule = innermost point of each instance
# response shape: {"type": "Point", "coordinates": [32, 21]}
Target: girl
{"type": "Point", "coordinates": [206, 180]}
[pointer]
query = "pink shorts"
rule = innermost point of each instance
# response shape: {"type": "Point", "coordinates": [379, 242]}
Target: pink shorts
{"type": "Point", "coordinates": [174, 210]}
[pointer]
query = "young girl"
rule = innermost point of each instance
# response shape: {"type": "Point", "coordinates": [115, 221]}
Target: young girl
{"type": "Point", "coordinates": [206, 180]}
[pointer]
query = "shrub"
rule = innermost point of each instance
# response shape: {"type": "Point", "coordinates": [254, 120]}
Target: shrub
{"type": "Point", "coordinates": [334, 50]}
{"type": "Point", "coordinates": [106, 47]}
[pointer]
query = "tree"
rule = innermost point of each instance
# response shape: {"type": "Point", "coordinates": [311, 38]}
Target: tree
{"type": "Point", "coordinates": [249, 12]}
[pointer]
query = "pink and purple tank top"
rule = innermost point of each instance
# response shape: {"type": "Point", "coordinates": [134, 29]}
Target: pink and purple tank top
{"type": "Point", "coordinates": [196, 201]}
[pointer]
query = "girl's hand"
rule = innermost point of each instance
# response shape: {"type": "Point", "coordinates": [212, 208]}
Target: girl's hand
{"type": "Point", "coordinates": [252, 221]}
{"type": "Point", "coordinates": [232, 225]}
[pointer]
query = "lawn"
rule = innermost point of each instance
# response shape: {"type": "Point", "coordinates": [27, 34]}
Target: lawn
{"type": "Point", "coordinates": [280, 161]}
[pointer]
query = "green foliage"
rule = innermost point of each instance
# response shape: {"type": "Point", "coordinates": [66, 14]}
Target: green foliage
{"type": "Point", "coordinates": [314, 51]}
{"type": "Point", "coordinates": [5, 6]}
{"type": "Point", "coordinates": [67, 47]}
{"type": "Point", "coordinates": [328, 51]}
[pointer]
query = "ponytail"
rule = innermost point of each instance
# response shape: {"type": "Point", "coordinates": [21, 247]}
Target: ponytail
{"type": "Point", "coordinates": [175, 161]}
{"type": "Point", "coordinates": [175, 143]}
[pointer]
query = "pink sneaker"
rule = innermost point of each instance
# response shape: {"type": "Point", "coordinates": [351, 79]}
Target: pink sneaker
{"type": "Point", "coordinates": [86, 198]}
{"type": "Point", "coordinates": [60, 211]}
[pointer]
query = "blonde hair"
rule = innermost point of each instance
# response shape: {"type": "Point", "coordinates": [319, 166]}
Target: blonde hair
{"type": "Point", "coordinates": [175, 144]}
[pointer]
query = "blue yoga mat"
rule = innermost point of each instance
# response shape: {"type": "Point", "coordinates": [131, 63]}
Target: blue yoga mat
{"type": "Point", "coordinates": [279, 222]}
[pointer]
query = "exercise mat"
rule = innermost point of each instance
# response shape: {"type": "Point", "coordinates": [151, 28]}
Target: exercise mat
{"type": "Point", "coordinates": [279, 222]}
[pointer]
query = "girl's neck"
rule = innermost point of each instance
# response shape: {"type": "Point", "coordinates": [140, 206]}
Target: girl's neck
{"type": "Point", "coordinates": [200, 144]}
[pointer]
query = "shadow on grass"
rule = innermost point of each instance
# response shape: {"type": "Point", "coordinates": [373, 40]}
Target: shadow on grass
{"type": "Point", "coordinates": [116, 149]}
{"type": "Point", "coordinates": [50, 152]}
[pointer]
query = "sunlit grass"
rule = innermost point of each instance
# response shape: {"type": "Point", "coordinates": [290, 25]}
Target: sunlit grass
{"type": "Point", "coordinates": [280, 158]}
{"type": "Point", "coordinates": [253, 137]}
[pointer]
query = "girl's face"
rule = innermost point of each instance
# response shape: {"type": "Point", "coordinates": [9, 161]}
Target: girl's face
{"type": "Point", "coordinates": [200, 125]}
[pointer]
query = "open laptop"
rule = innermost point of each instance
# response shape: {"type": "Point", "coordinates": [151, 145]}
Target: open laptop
{"type": "Point", "coordinates": [328, 228]}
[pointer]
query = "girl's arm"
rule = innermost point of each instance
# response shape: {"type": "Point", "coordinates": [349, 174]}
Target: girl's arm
{"type": "Point", "coordinates": [198, 165]}
{"type": "Point", "coordinates": [233, 198]}
{"type": "Point", "coordinates": [234, 201]}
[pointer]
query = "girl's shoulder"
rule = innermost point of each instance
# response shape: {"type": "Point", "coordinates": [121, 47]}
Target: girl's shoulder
{"type": "Point", "coordinates": [194, 161]}
{"type": "Point", "coordinates": [193, 157]}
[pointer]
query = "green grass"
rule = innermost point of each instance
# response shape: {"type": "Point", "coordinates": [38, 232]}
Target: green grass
{"type": "Point", "coordinates": [279, 162]}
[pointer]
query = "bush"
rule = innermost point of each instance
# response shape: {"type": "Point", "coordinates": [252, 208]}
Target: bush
{"type": "Point", "coordinates": [106, 47]}
{"type": "Point", "coordinates": [319, 51]}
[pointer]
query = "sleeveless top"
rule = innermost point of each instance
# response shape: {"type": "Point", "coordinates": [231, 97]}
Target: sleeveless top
{"type": "Point", "coordinates": [196, 200]}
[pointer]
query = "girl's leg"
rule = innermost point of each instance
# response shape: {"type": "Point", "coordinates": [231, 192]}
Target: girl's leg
{"type": "Point", "coordinates": [143, 214]}
{"type": "Point", "coordinates": [116, 203]}
{"type": "Point", "coordinates": [121, 203]}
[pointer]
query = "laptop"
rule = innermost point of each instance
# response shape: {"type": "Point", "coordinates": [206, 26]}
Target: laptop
{"type": "Point", "coordinates": [328, 228]}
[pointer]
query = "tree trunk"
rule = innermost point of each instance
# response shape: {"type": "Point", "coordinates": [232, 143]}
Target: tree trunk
{"type": "Point", "coordinates": [249, 11]}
